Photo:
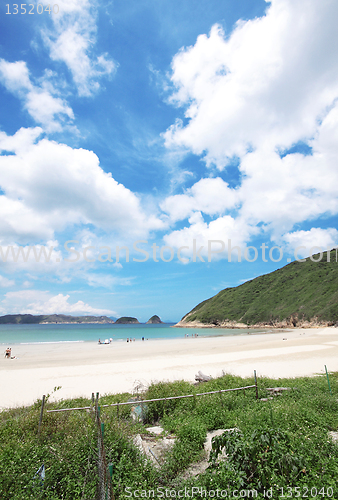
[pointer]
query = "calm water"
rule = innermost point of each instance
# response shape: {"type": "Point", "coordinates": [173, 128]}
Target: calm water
{"type": "Point", "coordinates": [30, 334]}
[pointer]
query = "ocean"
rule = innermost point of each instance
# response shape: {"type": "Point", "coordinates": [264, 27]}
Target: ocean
{"type": "Point", "coordinates": [36, 334]}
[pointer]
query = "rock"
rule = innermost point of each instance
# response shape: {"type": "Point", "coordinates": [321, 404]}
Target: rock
{"type": "Point", "coordinates": [210, 435]}
{"type": "Point", "coordinates": [200, 377]}
{"type": "Point", "coordinates": [200, 467]}
{"type": "Point", "coordinates": [157, 430]}
{"type": "Point", "coordinates": [277, 391]}
{"type": "Point", "coordinates": [154, 320]}
{"type": "Point", "coordinates": [334, 436]}
{"type": "Point", "coordinates": [126, 320]}
{"type": "Point", "coordinates": [154, 448]}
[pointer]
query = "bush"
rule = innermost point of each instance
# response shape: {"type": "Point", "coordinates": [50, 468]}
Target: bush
{"type": "Point", "coordinates": [260, 459]}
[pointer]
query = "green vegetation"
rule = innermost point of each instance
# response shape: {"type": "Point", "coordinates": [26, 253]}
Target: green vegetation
{"type": "Point", "coordinates": [126, 320]}
{"type": "Point", "coordinates": [300, 291]}
{"type": "Point", "coordinates": [278, 443]}
{"type": "Point", "coordinates": [154, 319]}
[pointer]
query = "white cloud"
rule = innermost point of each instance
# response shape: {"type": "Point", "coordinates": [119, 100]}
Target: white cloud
{"type": "Point", "coordinates": [42, 302]}
{"type": "Point", "coordinates": [311, 242]}
{"type": "Point", "coordinates": [49, 187]}
{"type": "Point", "coordinates": [272, 83]}
{"type": "Point", "coordinates": [39, 101]}
{"type": "Point", "coordinates": [266, 85]}
{"type": "Point", "coordinates": [221, 229]}
{"type": "Point", "coordinates": [5, 282]}
{"type": "Point", "coordinates": [72, 41]}
{"type": "Point", "coordinates": [210, 196]}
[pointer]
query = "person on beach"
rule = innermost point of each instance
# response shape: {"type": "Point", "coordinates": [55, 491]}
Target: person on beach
{"type": "Point", "coordinates": [8, 353]}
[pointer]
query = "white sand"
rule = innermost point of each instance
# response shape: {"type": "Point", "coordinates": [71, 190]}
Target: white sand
{"type": "Point", "coordinates": [83, 368]}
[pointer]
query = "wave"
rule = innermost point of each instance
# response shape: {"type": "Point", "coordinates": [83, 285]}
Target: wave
{"type": "Point", "coordinates": [52, 342]}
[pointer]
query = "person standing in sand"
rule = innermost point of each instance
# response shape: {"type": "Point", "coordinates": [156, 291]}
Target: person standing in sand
{"type": "Point", "coordinates": [8, 353]}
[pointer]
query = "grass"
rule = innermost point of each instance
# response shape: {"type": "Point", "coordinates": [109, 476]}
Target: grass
{"type": "Point", "coordinates": [297, 291]}
{"type": "Point", "coordinates": [279, 443]}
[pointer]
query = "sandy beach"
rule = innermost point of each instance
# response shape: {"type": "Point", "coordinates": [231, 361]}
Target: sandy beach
{"type": "Point", "coordinates": [86, 367]}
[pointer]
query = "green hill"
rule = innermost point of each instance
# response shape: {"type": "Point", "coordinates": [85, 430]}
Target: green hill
{"type": "Point", "coordinates": [126, 320]}
{"type": "Point", "coordinates": [154, 320]}
{"type": "Point", "coordinates": [297, 293]}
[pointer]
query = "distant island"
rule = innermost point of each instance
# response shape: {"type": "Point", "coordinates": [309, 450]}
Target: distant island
{"type": "Point", "coordinates": [30, 319]}
{"type": "Point", "coordinates": [154, 320]}
{"type": "Point", "coordinates": [46, 319]}
{"type": "Point", "coordinates": [300, 294]}
{"type": "Point", "coordinates": [127, 320]}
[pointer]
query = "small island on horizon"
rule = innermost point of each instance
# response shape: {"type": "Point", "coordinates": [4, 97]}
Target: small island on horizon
{"type": "Point", "coordinates": [44, 319]}
{"type": "Point", "coordinates": [31, 319]}
{"type": "Point", "coordinates": [154, 320]}
{"type": "Point", "coordinates": [127, 320]}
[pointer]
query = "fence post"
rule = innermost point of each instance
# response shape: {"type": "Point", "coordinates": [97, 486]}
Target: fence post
{"type": "Point", "coordinates": [41, 413]}
{"type": "Point", "coordinates": [256, 384]}
{"type": "Point", "coordinates": [105, 472]}
{"type": "Point", "coordinates": [328, 380]}
{"type": "Point", "coordinates": [110, 467]}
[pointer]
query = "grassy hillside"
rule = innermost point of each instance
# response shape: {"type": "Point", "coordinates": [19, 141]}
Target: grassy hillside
{"type": "Point", "coordinates": [303, 290]}
{"type": "Point", "coordinates": [283, 443]}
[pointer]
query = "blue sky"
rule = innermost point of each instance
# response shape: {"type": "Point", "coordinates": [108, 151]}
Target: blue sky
{"type": "Point", "coordinates": [177, 124]}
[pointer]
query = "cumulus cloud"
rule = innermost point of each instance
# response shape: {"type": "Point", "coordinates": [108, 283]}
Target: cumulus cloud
{"type": "Point", "coordinates": [49, 186]}
{"type": "Point", "coordinates": [216, 238]}
{"type": "Point", "coordinates": [45, 108]}
{"type": "Point", "coordinates": [311, 242]}
{"type": "Point", "coordinates": [72, 41]}
{"type": "Point", "coordinates": [270, 84]}
{"type": "Point", "coordinates": [43, 302]}
{"type": "Point", "coordinates": [210, 196]}
{"type": "Point", "coordinates": [264, 85]}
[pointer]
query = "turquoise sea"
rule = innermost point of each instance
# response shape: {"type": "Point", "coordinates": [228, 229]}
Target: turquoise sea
{"type": "Point", "coordinates": [32, 334]}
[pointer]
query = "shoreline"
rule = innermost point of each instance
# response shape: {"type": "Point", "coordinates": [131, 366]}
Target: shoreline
{"type": "Point", "coordinates": [81, 368]}
{"type": "Point", "coordinates": [255, 331]}
{"type": "Point", "coordinates": [275, 326]}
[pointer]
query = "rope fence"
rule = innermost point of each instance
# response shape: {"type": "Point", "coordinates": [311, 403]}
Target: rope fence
{"type": "Point", "coordinates": [220, 391]}
{"type": "Point", "coordinates": [105, 470]}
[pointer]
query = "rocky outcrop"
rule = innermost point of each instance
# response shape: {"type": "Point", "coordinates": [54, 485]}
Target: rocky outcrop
{"type": "Point", "coordinates": [154, 320]}
{"type": "Point", "coordinates": [292, 322]}
{"type": "Point", "coordinates": [184, 323]}
{"type": "Point", "coordinates": [126, 320]}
